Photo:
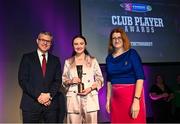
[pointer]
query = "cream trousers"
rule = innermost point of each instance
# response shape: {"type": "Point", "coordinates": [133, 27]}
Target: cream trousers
{"type": "Point", "coordinates": [83, 116]}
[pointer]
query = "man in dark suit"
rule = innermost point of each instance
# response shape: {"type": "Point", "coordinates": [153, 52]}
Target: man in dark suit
{"type": "Point", "coordinates": [40, 77]}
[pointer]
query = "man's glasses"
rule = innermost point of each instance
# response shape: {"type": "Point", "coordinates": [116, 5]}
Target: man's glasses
{"type": "Point", "coordinates": [47, 42]}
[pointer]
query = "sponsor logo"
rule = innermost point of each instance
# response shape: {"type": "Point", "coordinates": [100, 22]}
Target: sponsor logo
{"type": "Point", "coordinates": [136, 7]}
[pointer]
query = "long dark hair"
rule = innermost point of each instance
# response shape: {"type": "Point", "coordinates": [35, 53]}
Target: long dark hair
{"type": "Point", "coordinates": [82, 37]}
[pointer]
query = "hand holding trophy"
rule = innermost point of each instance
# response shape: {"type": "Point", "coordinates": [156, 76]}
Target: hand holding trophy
{"type": "Point", "coordinates": [80, 72]}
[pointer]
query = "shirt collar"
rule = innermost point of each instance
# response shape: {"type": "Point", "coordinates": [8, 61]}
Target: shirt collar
{"type": "Point", "coordinates": [40, 54]}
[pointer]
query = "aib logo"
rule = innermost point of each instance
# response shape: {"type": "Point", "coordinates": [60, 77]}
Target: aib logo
{"type": "Point", "coordinates": [136, 7]}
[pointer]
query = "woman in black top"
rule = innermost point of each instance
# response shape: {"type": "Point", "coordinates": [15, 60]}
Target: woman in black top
{"type": "Point", "coordinates": [161, 97]}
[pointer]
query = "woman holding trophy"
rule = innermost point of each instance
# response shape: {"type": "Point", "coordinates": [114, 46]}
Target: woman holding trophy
{"type": "Point", "coordinates": [82, 77]}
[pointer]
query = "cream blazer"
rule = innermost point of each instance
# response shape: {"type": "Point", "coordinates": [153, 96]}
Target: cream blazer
{"type": "Point", "coordinates": [91, 74]}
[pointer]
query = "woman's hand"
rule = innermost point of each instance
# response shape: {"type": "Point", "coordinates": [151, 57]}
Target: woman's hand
{"type": "Point", "coordinates": [85, 91]}
{"type": "Point", "coordinates": [171, 96]}
{"type": "Point", "coordinates": [165, 95]}
{"type": "Point", "coordinates": [108, 106]}
{"type": "Point", "coordinates": [75, 80]}
{"type": "Point", "coordinates": [135, 109]}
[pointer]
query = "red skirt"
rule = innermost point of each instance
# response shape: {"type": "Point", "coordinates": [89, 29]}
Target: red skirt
{"type": "Point", "coordinates": [121, 101]}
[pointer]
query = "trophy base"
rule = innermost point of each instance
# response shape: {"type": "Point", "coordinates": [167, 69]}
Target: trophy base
{"type": "Point", "coordinates": [80, 87]}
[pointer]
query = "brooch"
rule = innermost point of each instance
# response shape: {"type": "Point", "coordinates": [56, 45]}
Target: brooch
{"type": "Point", "coordinates": [126, 62]}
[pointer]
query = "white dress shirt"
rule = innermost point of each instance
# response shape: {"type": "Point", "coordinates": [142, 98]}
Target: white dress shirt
{"type": "Point", "coordinates": [41, 57]}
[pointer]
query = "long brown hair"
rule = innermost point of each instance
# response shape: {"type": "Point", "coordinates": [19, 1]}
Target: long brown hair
{"type": "Point", "coordinates": [126, 42]}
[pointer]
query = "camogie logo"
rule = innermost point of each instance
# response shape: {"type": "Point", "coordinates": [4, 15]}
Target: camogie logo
{"type": "Point", "coordinates": [136, 7]}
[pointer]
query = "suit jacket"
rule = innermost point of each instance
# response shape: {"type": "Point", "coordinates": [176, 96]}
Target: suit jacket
{"type": "Point", "coordinates": [33, 83]}
{"type": "Point", "coordinates": [90, 75]}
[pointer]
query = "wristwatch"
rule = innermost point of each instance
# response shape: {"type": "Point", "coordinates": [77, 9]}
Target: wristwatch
{"type": "Point", "coordinates": [138, 98]}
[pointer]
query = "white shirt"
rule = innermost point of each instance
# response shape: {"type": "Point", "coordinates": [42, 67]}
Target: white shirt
{"type": "Point", "coordinates": [41, 57]}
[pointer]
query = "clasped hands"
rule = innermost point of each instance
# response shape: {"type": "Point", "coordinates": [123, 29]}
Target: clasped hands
{"type": "Point", "coordinates": [167, 96]}
{"type": "Point", "coordinates": [44, 99]}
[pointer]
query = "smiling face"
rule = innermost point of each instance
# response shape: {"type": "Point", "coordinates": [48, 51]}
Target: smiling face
{"type": "Point", "coordinates": [79, 45]}
{"type": "Point", "coordinates": [44, 42]}
{"type": "Point", "coordinates": [117, 41]}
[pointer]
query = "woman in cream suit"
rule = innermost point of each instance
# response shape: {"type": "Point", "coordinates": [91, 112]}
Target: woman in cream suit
{"type": "Point", "coordinates": [82, 106]}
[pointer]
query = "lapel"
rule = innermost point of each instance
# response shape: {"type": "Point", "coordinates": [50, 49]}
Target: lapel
{"type": "Point", "coordinates": [38, 64]}
{"type": "Point", "coordinates": [48, 64]}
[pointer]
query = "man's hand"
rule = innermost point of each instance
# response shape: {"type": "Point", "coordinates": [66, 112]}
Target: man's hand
{"type": "Point", "coordinates": [47, 103]}
{"type": "Point", "coordinates": [44, 98]}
